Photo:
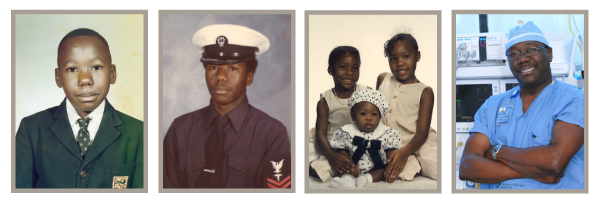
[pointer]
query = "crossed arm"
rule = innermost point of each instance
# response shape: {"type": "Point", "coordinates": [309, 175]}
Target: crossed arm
{"type": "Point", "coordinates": [542, 163]}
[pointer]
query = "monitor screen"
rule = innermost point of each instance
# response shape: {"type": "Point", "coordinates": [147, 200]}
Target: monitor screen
{"type": "Point", "coordinates": [511, 86]}
{"type": "Point", "coordinates": [469, 98]}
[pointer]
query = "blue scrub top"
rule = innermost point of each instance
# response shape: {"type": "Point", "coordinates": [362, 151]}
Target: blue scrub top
{"type": "Point", "coordinates": [558, 101]}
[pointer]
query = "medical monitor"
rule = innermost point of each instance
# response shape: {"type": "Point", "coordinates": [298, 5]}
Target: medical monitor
{"type": "Point", "coordinates": [470, 95]}
{"type": "Point", "coordinates": [507, 84]}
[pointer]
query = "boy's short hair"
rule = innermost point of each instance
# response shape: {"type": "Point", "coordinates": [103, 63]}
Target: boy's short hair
{"type": "Point", "coordinates": [82, 32]}
{"type": "Point", "coordinates": [389, 44]}
{"type": "Point", "coordinates": [335, 54]}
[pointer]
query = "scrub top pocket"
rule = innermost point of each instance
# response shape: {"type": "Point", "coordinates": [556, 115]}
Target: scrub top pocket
{"type": "Point", "coordinates": [542, 134]}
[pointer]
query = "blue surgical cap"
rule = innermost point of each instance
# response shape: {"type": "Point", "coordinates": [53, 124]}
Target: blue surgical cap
{"type": "Point", "coordinates": [527, 32]}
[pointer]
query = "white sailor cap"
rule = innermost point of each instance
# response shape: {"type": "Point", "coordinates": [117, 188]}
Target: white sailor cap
{"type": "Point", "coordinates": [228, 44]}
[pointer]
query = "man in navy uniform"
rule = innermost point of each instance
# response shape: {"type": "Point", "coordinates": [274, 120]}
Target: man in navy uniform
{"type": "Point", "coordinates": [228, 144]}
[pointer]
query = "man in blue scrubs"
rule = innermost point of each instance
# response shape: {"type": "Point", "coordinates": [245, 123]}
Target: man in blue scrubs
{"type": "Point", "coordinates": [530, 137]}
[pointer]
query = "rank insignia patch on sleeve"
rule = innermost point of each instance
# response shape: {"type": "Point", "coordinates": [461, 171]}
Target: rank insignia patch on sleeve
{"type": "Point", "coordinates": [280, 183]}
{"type": "Point", "coordinates": [277, 166]}
{"type": "Point", "coordinates": [120, 182]}
{"type": "Point", "coordinates": [285, 183]}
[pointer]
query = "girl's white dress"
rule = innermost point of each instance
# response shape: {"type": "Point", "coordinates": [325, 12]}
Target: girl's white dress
{"type": "Point", "coordinates": [405, 100]}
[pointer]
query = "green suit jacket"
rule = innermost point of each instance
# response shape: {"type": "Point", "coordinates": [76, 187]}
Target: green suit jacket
{"type": "Point", "coordinates": [47, 154]}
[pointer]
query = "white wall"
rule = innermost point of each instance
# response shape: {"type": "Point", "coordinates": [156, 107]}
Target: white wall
{"type": "Point", "coordinates": [367, 33]}
{"type": "Point", "coordinates": [36, 43]}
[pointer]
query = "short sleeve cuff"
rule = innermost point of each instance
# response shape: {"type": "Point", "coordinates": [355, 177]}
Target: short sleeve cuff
{"type": "Point", "coordinates": [478, 129]}
{"type": "Point", "coordinates": [573, 120]}
{"type": "Point", "coordinates": [573, 112]}
{"type": "Point", "coordinates": [481, 121]}
{"type": "Point", "coordinates": [340, 140]}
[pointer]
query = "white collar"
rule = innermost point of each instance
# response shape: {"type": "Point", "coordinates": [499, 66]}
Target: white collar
{"type": "Point", "coordinates": [354, 131]}
{"type": "Point", "coordinates": [95, 119]}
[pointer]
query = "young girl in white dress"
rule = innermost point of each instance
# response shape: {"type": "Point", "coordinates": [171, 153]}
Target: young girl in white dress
{"type": "Point", "coordinates": [410, 110]}
{"type": "Point", "coordinates": [332, 113]}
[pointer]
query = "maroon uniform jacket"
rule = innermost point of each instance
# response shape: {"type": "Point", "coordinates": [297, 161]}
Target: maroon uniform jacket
{"type": "Point", "coordinates": [257, 150]}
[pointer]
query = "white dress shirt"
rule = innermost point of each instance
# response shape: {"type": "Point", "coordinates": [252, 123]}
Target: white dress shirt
{"type": "Point", "coordinates": [95, 119]}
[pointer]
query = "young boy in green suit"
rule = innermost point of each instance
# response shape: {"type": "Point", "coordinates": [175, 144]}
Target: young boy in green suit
{"type": "Point", "coordinates": [84, 142]}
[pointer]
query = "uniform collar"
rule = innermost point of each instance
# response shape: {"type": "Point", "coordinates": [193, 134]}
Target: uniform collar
{"type": "Point", "coordinates": [517, 90]}
{"type": "Point", "coordinates": [237, 116]}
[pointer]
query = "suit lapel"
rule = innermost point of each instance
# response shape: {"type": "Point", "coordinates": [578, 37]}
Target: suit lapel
{"type": "Point", "coordinates": [63, 131]}
{"type": "Point", "coordinates": [106, 135]}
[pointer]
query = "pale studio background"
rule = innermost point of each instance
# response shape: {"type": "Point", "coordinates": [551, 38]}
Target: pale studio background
{"type": "Point", "coordinates": [184, 84]}
{"type": "Point", "coordinates": [36, 43]}
{"type": "Point", "coordinates": [367, 33]}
